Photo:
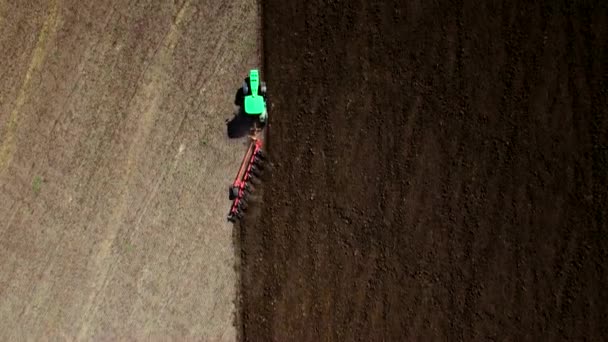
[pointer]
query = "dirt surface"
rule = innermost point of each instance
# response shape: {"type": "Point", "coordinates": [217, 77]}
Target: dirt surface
{"type": "Point", "coordinates": [440, 173]}
{"type": "Point", "coordinates": [114, 165]}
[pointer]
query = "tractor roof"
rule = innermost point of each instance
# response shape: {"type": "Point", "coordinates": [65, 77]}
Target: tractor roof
{"type": "Point", "coordinates": [254, 104]}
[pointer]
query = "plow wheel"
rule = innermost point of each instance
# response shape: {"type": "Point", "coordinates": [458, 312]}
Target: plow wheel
{"type": "Point", "coordinates": [233, 192]}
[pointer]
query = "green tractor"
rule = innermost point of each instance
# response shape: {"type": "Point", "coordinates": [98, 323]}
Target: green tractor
{"type": "Point", "coordinates": [254, 92]}
{"type": "Point", "coordinates": [251, 100]}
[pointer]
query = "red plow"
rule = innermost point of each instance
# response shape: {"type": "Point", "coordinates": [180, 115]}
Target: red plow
{"type": "Point", "coordinates": [248, 175]}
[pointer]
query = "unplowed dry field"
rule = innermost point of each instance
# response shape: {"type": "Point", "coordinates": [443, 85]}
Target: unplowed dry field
{"type": "Point", "coordinates": [440, 173]}
{"type": "Point", "coordinates": [114, 165]}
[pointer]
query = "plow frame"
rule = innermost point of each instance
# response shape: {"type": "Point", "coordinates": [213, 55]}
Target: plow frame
{"type": "Point", "coordinates": [241, 184]}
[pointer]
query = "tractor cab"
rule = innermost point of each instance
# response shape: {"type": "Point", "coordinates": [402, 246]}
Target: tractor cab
{"type": "Point", "coordinates": [254, 92]}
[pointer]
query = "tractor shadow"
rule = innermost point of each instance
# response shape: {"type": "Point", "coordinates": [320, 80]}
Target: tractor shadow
{"type": "Point", "coordinates": [240, 124]}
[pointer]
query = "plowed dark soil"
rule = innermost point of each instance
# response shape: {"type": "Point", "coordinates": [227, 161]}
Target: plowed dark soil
{"type": "Point", "coordinates": [440, 173]}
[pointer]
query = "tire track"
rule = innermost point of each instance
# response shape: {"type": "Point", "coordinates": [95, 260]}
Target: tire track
{"type": "Point", "coordinates": [8, 146]}
{"type": "Point", "coordinates": [149, 96]}
{"type": "Point", "coordinates": [46, 34]}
